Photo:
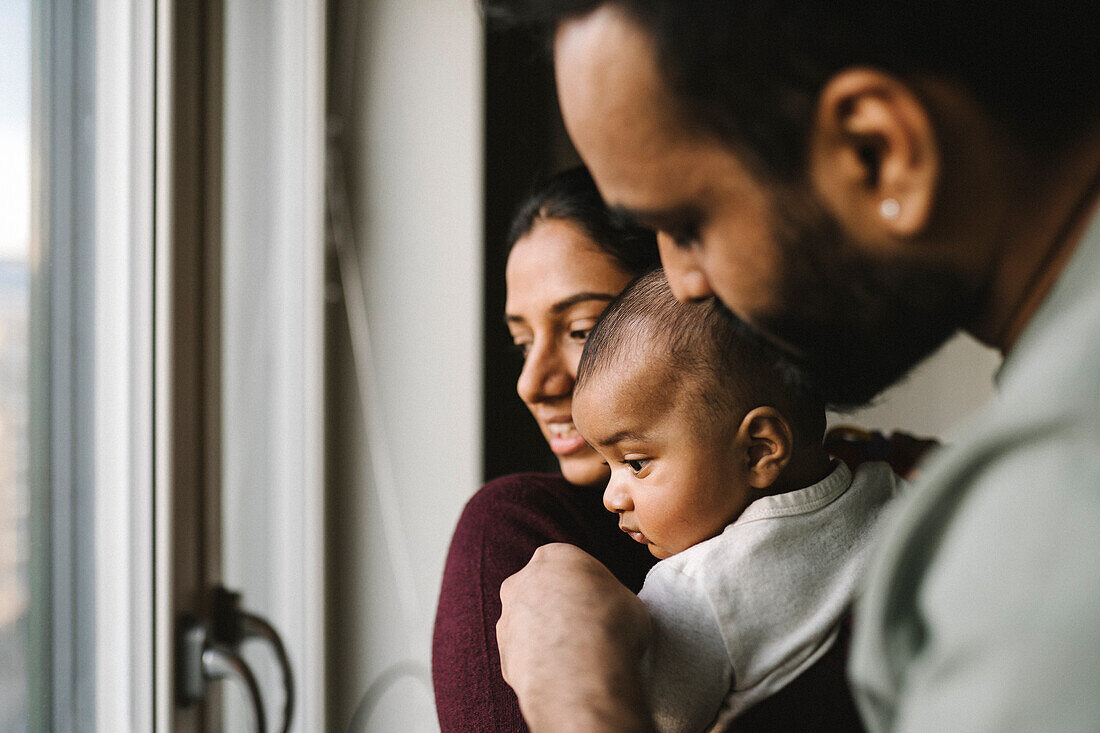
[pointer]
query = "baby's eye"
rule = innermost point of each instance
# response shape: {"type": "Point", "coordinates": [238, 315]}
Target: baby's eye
{"type": "Point", "coordinates": [636, 464]}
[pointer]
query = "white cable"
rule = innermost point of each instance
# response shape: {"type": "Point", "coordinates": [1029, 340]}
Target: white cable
{"type": "Point", "coordinates": [351, 281]}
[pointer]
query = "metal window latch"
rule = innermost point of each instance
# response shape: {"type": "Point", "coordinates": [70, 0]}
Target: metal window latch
{"type": "Point", "coordinates": [211, 651]}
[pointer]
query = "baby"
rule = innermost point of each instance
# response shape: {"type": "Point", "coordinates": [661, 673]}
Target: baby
{"type": "Point", "coordinates": [717, 466]}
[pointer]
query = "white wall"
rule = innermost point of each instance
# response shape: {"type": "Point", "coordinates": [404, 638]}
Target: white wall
{"type": "Point", "coordinates": [936, 396]}
{"type": "Point", "coordinates": [415, 129]}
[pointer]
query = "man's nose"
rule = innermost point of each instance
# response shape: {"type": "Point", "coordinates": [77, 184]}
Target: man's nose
{"type": "Point", "coordinates": [686, 279]}
{"type": "Point", "coordinates": [545, 374]}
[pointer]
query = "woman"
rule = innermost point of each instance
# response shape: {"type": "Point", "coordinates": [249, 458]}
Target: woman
{"type": "Point", "coordinates": [567, 260]}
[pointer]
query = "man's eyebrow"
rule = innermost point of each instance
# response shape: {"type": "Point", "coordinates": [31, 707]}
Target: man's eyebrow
{"type": "Point", "coordinates": [563, 305]}
{"type": "Point", "coordinates": [653, 218]}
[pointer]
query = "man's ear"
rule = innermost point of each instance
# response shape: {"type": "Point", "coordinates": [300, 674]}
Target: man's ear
{"type": "Point", "coordinates": [768, 440]}
{"type": "Point", "coordinates": [874, 157]}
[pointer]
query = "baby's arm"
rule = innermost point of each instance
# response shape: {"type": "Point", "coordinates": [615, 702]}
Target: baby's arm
{"type": "Point", "coordinates": [686, 667]}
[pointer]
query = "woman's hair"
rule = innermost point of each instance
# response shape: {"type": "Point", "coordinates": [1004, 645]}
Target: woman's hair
{"type": "Point", "coordinates": [572, 196]}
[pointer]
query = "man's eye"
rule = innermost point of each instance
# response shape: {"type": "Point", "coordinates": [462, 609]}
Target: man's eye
{"type": "Point", "coordinates": [684, 237]}
{"type": "Point", "coordinates": [523, 348]}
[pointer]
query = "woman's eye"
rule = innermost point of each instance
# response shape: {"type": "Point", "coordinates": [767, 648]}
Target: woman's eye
{"type": "Point", "coordinates": [579, 328]}
{"type": "Point", "coordinates": [580, 334]}
{"type": "Point", "coordinates": [523, 348]}
{"type": "Point", "coordinates": [636, 464]}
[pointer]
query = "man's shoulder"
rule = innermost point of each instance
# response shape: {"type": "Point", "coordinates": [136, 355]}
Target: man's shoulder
{"type": "Point", "coordinates": [1008, 523]}
{"type": "Point", "coordinates": [1026, 480]}
{"type": "Point", "coordinates": [984, 591]}
{"type": "Point", "coordinates": [1021, 470]}
{"type": "Point", "coordinates": [993, 555]}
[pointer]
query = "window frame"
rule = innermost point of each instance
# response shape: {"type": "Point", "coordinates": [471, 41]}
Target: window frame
{"type": "Point", "coordinates": [91, 361]}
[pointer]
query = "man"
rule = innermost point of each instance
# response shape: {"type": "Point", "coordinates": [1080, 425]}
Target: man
{"type": "Point", "coordinates": [856, 181]}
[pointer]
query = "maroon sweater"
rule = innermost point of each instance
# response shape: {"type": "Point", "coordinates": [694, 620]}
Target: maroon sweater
{"type": "Point", "coordinates": [499, 530]}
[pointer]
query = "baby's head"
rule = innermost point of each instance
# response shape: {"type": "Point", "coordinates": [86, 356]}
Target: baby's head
{"type": "Point", "coordinates": [692, 414]}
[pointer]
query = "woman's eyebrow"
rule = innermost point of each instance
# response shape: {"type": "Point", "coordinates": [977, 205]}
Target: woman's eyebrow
{"type": "Point", "coordinates": [563, 305]}
{"type": "Point", "coordinates": [572, 300]}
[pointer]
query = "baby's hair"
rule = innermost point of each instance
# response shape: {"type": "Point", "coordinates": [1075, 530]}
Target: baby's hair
{"type": "Point", "coordinates": [713, 355]}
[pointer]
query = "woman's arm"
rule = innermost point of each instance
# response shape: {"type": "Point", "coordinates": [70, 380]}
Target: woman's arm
{"type": "Point", "coordinates": [498, 531]}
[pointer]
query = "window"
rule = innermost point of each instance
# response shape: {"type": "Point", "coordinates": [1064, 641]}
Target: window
{"type": "Point", "coordinates": [97, 125]}
{"type": "Point", "coordinates": [75, 365]}
{"type": "Point", "coordinates": [21, 601]}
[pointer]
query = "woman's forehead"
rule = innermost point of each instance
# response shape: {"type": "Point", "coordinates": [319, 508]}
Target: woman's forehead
{"type": "Point", "coordinates": [556, 261]}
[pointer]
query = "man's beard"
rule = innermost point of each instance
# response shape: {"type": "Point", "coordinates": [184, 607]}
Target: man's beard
{"type": "Point", "coordinates": [854, 324]}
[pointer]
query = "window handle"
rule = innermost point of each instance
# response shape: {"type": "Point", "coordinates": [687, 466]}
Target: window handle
{"type": "Point", "coordinates": [202, 661]}
{"type": "Point", "coordinates": [210, 651]}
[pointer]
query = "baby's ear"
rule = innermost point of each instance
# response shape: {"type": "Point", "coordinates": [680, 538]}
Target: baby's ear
{"type": "Point", "coordinates": [769, 439]}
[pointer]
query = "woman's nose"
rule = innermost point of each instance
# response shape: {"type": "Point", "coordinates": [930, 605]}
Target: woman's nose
{"type": "Point", "coordinates": [686, 279]}
{"type": "Point", "coordinates": [615, 497]}
{"type": "Point", "coordinates": [545, 375]}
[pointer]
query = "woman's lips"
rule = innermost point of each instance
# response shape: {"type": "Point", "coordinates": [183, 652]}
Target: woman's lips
{"type": "Point", "coordinates": [564, 438]}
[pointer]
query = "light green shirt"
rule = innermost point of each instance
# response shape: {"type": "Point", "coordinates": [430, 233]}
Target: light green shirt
{"type": "Point", "coordinates": [982, 608]}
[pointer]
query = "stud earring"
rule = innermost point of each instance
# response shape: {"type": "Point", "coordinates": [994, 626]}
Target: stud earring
{"type": "Point", "coordinates": [890, 209]}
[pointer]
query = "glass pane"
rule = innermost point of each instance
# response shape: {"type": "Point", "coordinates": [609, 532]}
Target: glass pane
{"type": "Point", "coordinates": [15, 236]}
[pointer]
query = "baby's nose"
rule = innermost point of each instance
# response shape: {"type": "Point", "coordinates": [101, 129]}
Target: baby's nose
{"type": "Point", "coordinates": [615, 498]}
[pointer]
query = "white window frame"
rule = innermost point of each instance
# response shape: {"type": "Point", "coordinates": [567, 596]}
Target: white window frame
{"type": "Point", "coordinates": [107, 456]}
{"type": "Point", "coordinates": [125, 35]}
{"type": "Point", "coordinates": [93, 281]}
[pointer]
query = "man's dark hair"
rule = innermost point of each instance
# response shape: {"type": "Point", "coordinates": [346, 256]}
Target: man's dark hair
{"type": "Point", "coordinates": [751, 70]}
{"type": "Point", "coordinates": [725, 368]}
{"type": "Point", "coordinates": [571, 195]}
